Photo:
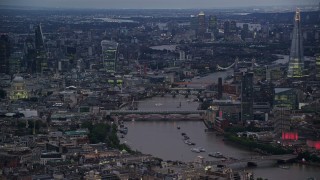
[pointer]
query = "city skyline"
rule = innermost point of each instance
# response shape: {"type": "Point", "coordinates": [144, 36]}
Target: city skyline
{"type": "Point", "coordinates": [159, 93]}
{"type": "Point", "coordinates": [152, 4]}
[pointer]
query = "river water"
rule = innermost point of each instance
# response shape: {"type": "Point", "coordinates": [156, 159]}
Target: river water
{"type": "Point", "coordinates": [163, 139]}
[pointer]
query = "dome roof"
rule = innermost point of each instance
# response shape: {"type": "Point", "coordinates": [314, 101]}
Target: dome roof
{"type": "Point", "coordinates": [18, 79]}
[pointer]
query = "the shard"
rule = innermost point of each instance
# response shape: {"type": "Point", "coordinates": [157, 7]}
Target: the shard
{"type": "Point", "coordinates": [296, 62]}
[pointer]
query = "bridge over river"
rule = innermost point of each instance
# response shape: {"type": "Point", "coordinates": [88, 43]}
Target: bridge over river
{"type": "Point", "coordinates": [155, 111]}
{"type": "Point", "coordinates": [256, 160]}
{"type": "Point", "coordinates": [158, 114]}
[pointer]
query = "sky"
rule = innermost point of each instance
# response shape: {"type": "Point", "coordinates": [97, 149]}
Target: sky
{"type": "Point", "coordinates": [153, 4]}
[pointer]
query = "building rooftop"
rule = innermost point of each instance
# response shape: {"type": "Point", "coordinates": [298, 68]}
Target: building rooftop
{"type": "Point", "coordinates": [279, 90]}
{"type": "Point", "coordinates": [18, 79]}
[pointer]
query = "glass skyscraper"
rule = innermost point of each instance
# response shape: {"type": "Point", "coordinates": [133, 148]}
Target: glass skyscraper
{"type": "Point", "coordinates": [41, 62]}
{"type": "Point", "coordinates": [109, 53]}
{"type": "Point", "coordinates": [247, 96]}
{"type": "Point", "coordinates": [296, 61]}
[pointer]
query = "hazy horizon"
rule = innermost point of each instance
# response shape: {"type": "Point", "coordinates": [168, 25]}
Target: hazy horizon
{"type": "Point", "coordinates": [153, 4]}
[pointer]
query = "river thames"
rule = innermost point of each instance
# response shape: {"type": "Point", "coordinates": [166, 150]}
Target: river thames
{"type": "Point", "coordinates": [163, 139]}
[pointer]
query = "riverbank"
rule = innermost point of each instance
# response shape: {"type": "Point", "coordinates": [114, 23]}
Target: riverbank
{"type": "Point", "coordinates": [256, 146]}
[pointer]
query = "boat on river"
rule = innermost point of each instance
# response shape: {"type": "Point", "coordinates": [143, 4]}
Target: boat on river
{"type": "Point", "coordinates": [186, 137]}
{"type": "Point", "coordinates": [196, 150]}
{"type": "Point", "coordinates": [123, 130]}
{"type": "Point", "coordinates": [216, 155]}
{"type": "Point", "coordinates": [189, 142]}
{"type": "Point", "coordinates": [284, 167]}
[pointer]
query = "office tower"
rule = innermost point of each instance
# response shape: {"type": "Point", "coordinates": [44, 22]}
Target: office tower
{"type": "Point", "coordinates": [226, 27]}
{"type": "Point", "coordinates": [296, 62]}
{"type": "Point", "coordinates": [41, 63]}
{"type": "Point", "coordinates": [109, 53]}
{"type": "Point", "coordinates": [220, 88]}
{"type": "Point", "coordinates": [39, 38]}
{"type": "Point", "coordinates": [233, 27]}
{"type": "Point", "coordinates": [318, 66]}
{"type": "Point", "coordinates": [193, 22]}
{"type": "Point", "coordinates": [29, 55]}
{"type": "Point", "coordinates": [4, 53]}
{"type": "Point", "coordinates": [201, 24]}
{"type": "Point", "coordinates": [213, 26]}
{"type": "Point", "coordinates": [281, 119]}
{"type": "Point", "coordinates": [247, 97]}
{"type": "Point", "coordinates": [213, 23]}
{"type": "Point", "coordinates": [263, 93]}
{"type": "Point", "coordinates": [245, 31]}
{"type": "Point", "coordinates": [182, 55]}
{"type": "Point", "coordinates": [15, 62]}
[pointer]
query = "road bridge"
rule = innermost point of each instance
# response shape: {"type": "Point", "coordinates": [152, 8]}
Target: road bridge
{"type": "Point", "coordinates": [125, 112]}
{"type": "Point", "coordinates": [187, 88]}
{"type": "Point", "coordinates": [257, 159]}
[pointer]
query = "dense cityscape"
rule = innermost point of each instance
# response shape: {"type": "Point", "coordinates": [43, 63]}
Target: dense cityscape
{"type": "Point", "coordinates": [160, 93]}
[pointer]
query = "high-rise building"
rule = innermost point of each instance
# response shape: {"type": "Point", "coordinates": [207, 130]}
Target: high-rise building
{"type": "Point", "coordinates": [220, 88]}
{"type": "Point", "coordinates": [109, 53]}
{"type": "Point", "coordinates": [39, 43]}
{"type": "Point", "coordinates": [182, 55]}
{"type": "Point", "coordinates": [245, 31]}
{"type": "Point", "coordinates": [41, 62]}
{"type": "Point", "coordinates": [296, 60]}
{"type": "Point", "coordinates": [193, 22]}
{"type": "Point", "coordinates": [201, 23]}
{"type": "Point", "coordinates": [281, 119]}
{"type": "Point", "coordinates": [318, 66]}
{"type": "Point", "coordinates": [247, 97]}
{"type": "Point", "coordinates": [213, 25]}
{"type": "Point", "coordinates": [4, 53]}
{"type": "Point", "coordinates": [233, 27]}
{"type": "Point", "coordinates": [226, 27]}
{"type": "Point", "coordinates": [15, 62]}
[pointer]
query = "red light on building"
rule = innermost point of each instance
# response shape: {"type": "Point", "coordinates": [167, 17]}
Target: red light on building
{"type": "Point", "coordinates": [315, 144]}
{"type": "Point", "coordinates": [289, 136]}
{"type": "Point", "coordinates": [220, 114]}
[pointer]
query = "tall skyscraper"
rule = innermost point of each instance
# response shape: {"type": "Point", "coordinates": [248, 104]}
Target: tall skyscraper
{"type": "Point", "coordinates": [41, 62]}
{"type": "Point", "coordinates": [213, 25]}
{"type": "Point", "coordinates": [39, 38]}
{"type": "Point", "coordinates": [296, 61]}
{"type": "Point", "coordinates": [201, 23]}
{"type": "Point", "coordinates": [110, 55]}
{"type": "Point", "coordinates": [245, 31]}
{"type": "Point", "coordinates": [247, 97]}
{"type": "Point", "coordinates": [4, 53]}
{"type": "Point", "coordinates": [282, 119]}
{"type": "Point", "coordinates": [226, 27]}
{"type": "Point", "coordinates": [233, 27]}
{"type": "Point", "coordinates": [220, 88]}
